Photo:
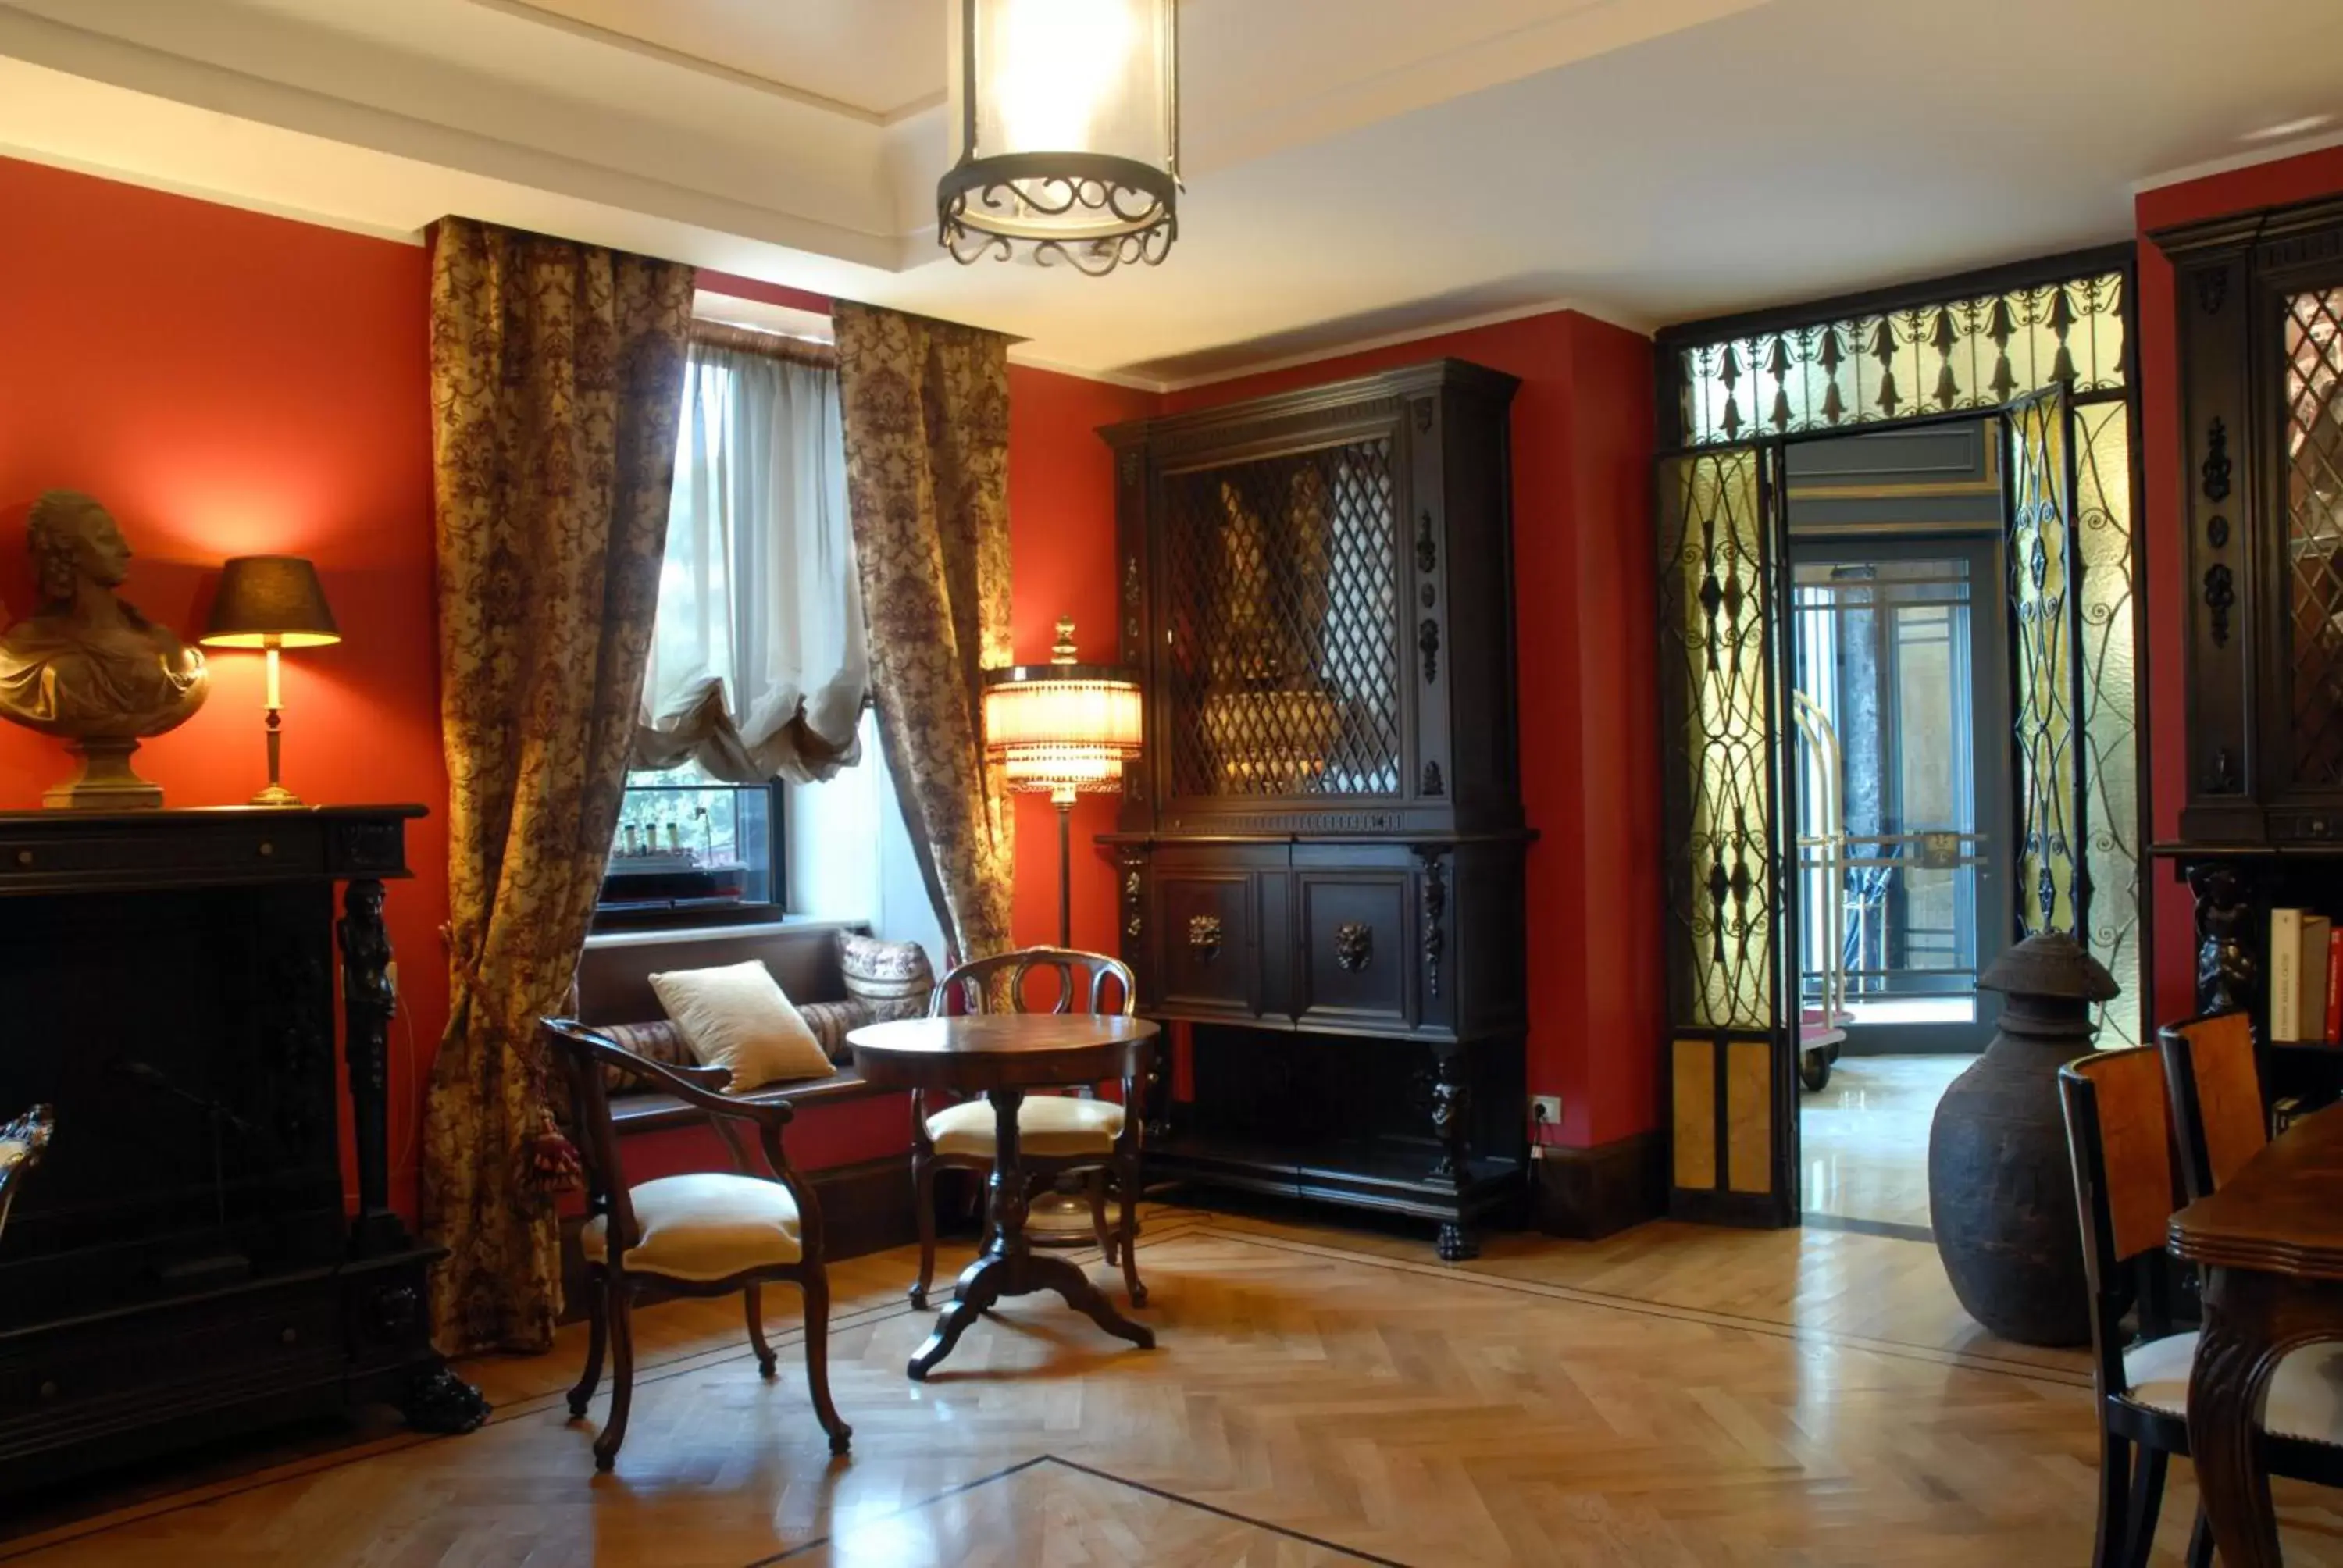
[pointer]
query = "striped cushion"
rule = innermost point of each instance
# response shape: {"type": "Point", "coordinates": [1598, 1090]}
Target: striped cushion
{"type": "Point", "coordinates": [829, 1020]}
{"type": "Point", "coordinates": [662, 1042]}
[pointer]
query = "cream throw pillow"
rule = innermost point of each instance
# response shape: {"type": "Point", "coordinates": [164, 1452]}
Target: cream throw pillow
{"type": "Point", "coordinates": [737, 1017]}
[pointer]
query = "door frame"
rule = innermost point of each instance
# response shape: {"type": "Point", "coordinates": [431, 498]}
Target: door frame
{"type": "Point", "coordinates": [1712, 1053]}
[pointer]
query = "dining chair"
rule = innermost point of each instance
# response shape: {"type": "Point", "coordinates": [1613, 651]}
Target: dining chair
{"type": "Point", "coordinates": [703, 1233]}
{"type": "Point", "coordinates": [1073, 1133]}
{"type": "Point", "coordinates": [2119, 1135]}
{"type": "Point", "coordinates": [2215, 1083]}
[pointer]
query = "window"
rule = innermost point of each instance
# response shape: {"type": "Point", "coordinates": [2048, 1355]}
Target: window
{"type": "Point", "coordinates": [692, 849]}
{"type": "Point", "coordinates": [758, 668]}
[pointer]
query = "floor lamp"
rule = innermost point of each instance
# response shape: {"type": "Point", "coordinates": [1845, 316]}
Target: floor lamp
{"type": "Point", "coordinates": [1062, 729]}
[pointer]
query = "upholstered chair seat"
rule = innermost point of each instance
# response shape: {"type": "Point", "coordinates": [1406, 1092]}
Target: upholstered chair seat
{"type": "Point", "coordinates": [706, 1225]}
{"type": "Point", "coordinates": [1050, 1125]}
{"type": "Point", "coordinates": [2305, 1394]}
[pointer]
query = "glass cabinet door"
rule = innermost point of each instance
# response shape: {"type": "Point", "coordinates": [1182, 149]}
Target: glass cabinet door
{"type": "Point", "coordinates": [2310, 355]}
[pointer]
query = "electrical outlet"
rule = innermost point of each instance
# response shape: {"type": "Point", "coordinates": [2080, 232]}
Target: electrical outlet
{"type": "Point", "coordinates": [1545, 1110]}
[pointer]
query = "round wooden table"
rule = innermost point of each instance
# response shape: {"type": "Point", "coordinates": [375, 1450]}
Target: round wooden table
{"type": "Point", "coordinates": [1000, 1056]}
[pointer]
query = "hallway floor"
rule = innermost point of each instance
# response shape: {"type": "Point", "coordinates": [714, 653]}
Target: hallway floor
{"type": "Point", "coordinates": [1865, 1140]}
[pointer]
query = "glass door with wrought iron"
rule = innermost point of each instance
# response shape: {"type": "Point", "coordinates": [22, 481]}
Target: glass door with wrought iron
{"type": "Point", "coordinates": [1902, 758]}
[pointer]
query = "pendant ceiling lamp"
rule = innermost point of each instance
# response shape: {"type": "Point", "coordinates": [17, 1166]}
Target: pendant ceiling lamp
{"type": "Point", "coordinates": [1065, 119]}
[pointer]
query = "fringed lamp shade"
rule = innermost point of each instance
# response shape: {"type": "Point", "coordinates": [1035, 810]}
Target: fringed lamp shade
{"type": "Point", "coordinates": [1062, 728]}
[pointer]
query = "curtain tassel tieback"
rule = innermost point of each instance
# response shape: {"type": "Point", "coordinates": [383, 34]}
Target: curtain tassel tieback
{"type": "Point", "coordinates": [554, 1167]}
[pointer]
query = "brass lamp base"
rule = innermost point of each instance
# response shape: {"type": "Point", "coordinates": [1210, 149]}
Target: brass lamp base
{"type": "Point", "coordinates": [275, 794]}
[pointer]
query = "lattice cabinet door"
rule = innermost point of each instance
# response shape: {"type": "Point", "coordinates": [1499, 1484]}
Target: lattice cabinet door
{"type": "Point", "coordinates": [1281, 639]}
{"type": "Point", "coordinates": [2297, 366]}
{"type": "Point", "coordinates": [1318, 589]}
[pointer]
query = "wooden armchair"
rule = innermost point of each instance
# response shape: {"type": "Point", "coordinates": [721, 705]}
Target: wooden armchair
{"type": "Point", "coordinates": [699, 1234]}
{"type": "Point", "coordinates": [1073, 1134]}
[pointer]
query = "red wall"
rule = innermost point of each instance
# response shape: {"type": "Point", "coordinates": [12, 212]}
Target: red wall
{"type": "Point", "coordinates": [1061, 550]}
{"type": "Point", "coordinates": [230, 384]}
{"type": "Point", "coordinates": [2283, 180]}
{"type": "Point", "coordinates": [1584, 584]}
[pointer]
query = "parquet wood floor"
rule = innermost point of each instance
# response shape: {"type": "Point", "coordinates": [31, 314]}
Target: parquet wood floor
{"type": "Point", "coordinates": [1673, 1397]}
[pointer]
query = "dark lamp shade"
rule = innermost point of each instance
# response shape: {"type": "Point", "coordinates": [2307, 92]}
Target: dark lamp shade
{"type": "Point", "coordinates": [270, 601]}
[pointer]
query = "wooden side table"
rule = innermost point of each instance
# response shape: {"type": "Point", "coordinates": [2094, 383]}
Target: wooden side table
{"type": "Point", "coordinates": [2270, 1243]}
{"type": "Point", "coordinates": [1001, 1056]}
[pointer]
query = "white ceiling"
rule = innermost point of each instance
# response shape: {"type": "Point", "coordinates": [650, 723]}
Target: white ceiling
{"type": "Point", "coordinates": [1357, 168]}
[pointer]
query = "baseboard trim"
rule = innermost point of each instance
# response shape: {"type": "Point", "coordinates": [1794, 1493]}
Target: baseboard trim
{"type": "Point", "coordinates": [1741, 1211]}
{"type": "Point", "coordinates": [866, 1207]}
{"type": "Point", "coordinates": [1586, 1194]}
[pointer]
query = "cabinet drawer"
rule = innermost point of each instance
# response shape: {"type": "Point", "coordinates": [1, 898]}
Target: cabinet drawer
{"type": "Point", "coordinates": [1209, 940]}
{"type": "Point", "coordinates": [197, 1351]}
{"type": "Point", "coordinates": [234, 851]}
{"type": "Point", "coordinates": [1352, 960]}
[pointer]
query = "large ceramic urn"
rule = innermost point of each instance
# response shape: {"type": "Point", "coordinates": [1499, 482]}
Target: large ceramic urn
{"type": "Point", "coordinates": [2001, 1193]}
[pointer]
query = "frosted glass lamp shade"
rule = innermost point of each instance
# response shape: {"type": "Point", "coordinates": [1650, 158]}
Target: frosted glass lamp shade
{"type": "Point", "coordinates": [1065, 119]}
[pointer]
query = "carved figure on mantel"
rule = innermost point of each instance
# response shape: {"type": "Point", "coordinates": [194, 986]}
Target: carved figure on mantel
{"type": "Point", "coordinates": [87, 666]}
{"type": "Point", "coordinates": [2228, 976]}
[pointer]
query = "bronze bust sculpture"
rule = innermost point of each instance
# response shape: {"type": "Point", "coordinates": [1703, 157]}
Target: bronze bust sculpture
{"type": "Point", "coordinates": [87, 666]}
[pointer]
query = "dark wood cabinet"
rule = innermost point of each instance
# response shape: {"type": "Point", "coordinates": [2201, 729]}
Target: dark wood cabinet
{"type": "Point", "coordinates": [1320, 855]}
{"type": "Point", "coordinates": [2260, 299]}
{"type": "Point", "coordinates": [183, 1265]}
{"type": "Point", "coordinates": [2258, 307]}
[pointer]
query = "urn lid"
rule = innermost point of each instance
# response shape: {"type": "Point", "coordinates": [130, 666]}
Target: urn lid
{"type": "Point", "coordinates": [2052, 965]}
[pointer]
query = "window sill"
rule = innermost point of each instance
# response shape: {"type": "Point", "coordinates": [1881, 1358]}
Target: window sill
{"type": "Point", "coordinates": [644, 936]}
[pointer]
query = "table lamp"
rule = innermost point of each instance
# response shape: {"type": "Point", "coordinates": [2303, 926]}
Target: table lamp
{"type": "Point", "coordinates": [271, 602]}
{"type": "Point", "coordinates": [1062, 729]}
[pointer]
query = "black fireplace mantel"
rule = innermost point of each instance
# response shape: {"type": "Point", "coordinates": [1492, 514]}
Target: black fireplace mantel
{"type": "Point", "coordinates": [184, 1264]}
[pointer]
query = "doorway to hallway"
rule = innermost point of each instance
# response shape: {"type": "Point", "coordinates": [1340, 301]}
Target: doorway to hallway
{"type": "Point", "coordinates": [1900, 756]}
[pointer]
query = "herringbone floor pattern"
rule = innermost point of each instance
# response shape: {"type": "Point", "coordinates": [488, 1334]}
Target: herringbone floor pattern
{"type": "Point", "coordinates": [1677, 1396]}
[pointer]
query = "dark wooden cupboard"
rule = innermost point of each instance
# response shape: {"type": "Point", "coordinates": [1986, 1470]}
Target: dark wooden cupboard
{"type": "Point", "coordinates": [1320, 855]}
{"type": "Point", "coordinates": [2259, 304]}
{"type": "Point", "coordinates": [2259, 317]}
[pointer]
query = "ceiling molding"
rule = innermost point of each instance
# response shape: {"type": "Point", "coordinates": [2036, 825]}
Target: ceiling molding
{"type": "Point", "coordinates": [120, 62]}
{"type": "Point", "coordinates": [216, 196]}
{"type": "Point", "coordinates": [612, 38]}
{"type": "Point", "coordinates": [1023, 360]}
{"type": "Point", "coordinates": [2272, 153]}
{"type": "Point", "coordinates": [1411, 335]}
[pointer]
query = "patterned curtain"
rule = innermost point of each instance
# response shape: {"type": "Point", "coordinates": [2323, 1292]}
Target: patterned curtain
{"type": "Point", "coordinates": [557, 377]}
{"type": "Point", "coordinates": [927, 482]}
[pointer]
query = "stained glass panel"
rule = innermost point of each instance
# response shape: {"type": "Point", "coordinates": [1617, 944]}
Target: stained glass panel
{"type": "Point", "coordinates": [2040, 578]}
{"type": "Point", "coordinates": [1975, 353]}
{"type": "Point", "coordinates": [2314, 501]}
{"type": "Point", "coordinates": [1715, 673]}
{"type": "Point", "coordinates": [2104, 548]}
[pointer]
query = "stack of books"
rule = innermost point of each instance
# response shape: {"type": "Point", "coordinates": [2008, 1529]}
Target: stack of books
{"type": "Point", "coordinates": [2305, 978]}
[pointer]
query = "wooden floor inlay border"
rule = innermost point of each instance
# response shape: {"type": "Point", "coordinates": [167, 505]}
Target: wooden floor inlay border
{"type": "Point", "coordinates": [947, 1493]}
